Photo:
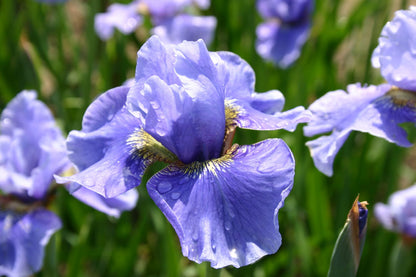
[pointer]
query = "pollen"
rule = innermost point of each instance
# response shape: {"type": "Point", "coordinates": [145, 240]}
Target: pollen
{"type": "Point", "coordinates": [147, 147]}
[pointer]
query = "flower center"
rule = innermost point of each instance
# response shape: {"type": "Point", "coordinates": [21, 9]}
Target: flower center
{"type": "Point", "coordinates": [144, 145]}
{"type": "Point", "coordinates": [402, 98]}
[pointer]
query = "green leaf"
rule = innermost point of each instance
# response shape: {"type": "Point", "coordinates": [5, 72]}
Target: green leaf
{"type": "Point", "coordinates": [349, 245]}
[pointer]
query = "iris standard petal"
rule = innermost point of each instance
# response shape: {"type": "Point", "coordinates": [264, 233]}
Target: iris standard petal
{"type": "Point", "coordinates": [396, 52]}
{"type": "Point", "coordinates": [111, 206]}
{"type": "Point", "coordinates": [162, 9]}
{"type": "Point", "coordinates": [27, 235]}
{"type": "Point", "coordinates": [281, 43]}
{"type": "Point", "coordinates": [186, 27]}
{"type": "Point", "coordinates": [125, 18]}
{"type": "Point", "coordinates": [195, 111]}
{"type": "Point", "coordinates": [226, 211]}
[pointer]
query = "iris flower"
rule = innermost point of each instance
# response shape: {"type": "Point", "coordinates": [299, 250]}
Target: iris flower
{"type": "Point", "coordinates": [399, 214]}
{"type": "Point", "coordinates": [32, 150]}
{"type": "Point", "coordinates": [183, 108]}
{"type": "Point", "coordinates": [377, 110]}
{"type": "Point", "coordinates": [286, 29]}
{"type": "Point", "coordinates": [168, 19]}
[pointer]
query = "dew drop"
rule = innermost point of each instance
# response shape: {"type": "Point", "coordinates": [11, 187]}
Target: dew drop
{"type": "Point", "coordinates": [155, 105]}
{"type": "Point", "coordinates": [110, 116]}
{"type": "Point", "coordinates": [164, 187]}
{"type": "Point", "coordinates": [195, 236]}
{"type": "Point", "coordinates": [175, 195]}
{"type": "Point", "coordinates": [214, 247]}
{"type": "Point", "coordinates": [233, 253]}
{"type": "Point", "coordinates": [227, 225]}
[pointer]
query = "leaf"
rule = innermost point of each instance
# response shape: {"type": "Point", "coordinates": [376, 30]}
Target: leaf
{"type": "Point", "coordinates": [349, 245]}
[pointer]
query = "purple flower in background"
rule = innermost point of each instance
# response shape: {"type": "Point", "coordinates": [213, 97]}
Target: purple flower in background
{"type": "Point", "coordinates": [186, 27]}
{"type": "Point", "coordinates": [22, 240]}
{"type": "Point", "coordinates": [170, 23]}
{"type": "Point", "coordinates": [183, 109]}
{"type": "Point", "coordinates": [377, 110]}
{"type": "Point", "coordinates": [123, 17]}
{"type": "Point", "coordinates": [286, 29]}
{"type": "Point", "coordinates": [400, 213]}
{"type": "Point", "coordinates": [395, 54]}
{"type": "Point", "coordinates": [32, 149]}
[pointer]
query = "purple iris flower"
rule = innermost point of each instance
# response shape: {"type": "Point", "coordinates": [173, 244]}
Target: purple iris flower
{"type": "Point", "coordinates": [186, 27]}
{"type": "Point", "coordinates": [183, 109]}
{"type": "Point", "coordinates": [23, 237]}
{"type": "Point", "coordinates": [377, 110]}
{"type": "Point", "coordinates": [399, 214]}
{"type": "Point", "coordinates": [170, 23]}
{"type": "Point", "coordinates": [32, 149]}
{"type": "Point", "coordinates": [286, 29]}
{"type": "Point", "coordinates": [124, 17]}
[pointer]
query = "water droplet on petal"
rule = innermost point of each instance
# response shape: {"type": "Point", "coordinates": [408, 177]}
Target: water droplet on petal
{"type": "Point", "coordinates": [110, 116]}
{"type": "Point", "coordinates": [214, 247]}
{"type": "Point", "coordinates": [164, 187]}
{"type": "Point", "coordinates": [175, 195]}
{"type": "Point", "coordinates": [227, 225]}
{"type": "Point", "coordinates": [195, 236]}
{"type": "Point", "coordinates": [233, 253]}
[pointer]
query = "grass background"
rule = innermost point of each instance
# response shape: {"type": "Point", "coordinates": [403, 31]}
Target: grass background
{"type": "Point", "coordinates": [54, 50]}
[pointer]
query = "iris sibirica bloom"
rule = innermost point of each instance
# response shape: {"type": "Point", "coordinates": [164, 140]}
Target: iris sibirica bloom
{"type": "Point", "coordinates": [286, 29]}
{"type": "Point", "coordinates": [32, 149]}
{"type": "Point", "coordinates": [399, 214]}
{"type": "Point", "coordinates": [183, 108]}
{"type": "Point", "coordinates": [377, 110]}
{"type": "Point", "coordinates": [168, 19]}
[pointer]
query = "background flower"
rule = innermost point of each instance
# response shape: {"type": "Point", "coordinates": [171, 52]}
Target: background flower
{"type": "Point", "coordinates": [399, 214]}
{"type": "Point", "coordinates": [286, 29]}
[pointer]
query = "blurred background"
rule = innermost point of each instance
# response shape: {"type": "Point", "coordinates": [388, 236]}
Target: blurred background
{"type": "Point", "coordinates": [54, 50]}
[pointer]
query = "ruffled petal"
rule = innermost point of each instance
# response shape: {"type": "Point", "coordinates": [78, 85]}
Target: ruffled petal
{"type": "Point", "coordinates": [339, 109]}
{"type": "Point", "coordinates": [218, 215]}
{"type": "Point", "coordinates": [27, 236]}
{"type": "Point", "coordinates": [396, 53]}
{"type": "Point", "coordinates": [107, 162]}
{"type": "Point", "coordinates": [281, 43]}
{"type": "Point", "coordinates": [324, 149]}
{"type": "Point", "coordinates": [248, 117]}
{"type": "Point", "coordinates": [186, 27]}
{"type": "Point", "coordinates": [111, 206]}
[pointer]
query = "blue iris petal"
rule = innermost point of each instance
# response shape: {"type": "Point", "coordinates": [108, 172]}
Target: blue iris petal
{"type": "Point", "coordinates": [225, 211]}
{"type": "Point", "coordinates": [104, 152]}
{"type": "Point", "coordinates": [26, 237]}
{"type": "Point", "coordinates": [374, 109]}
